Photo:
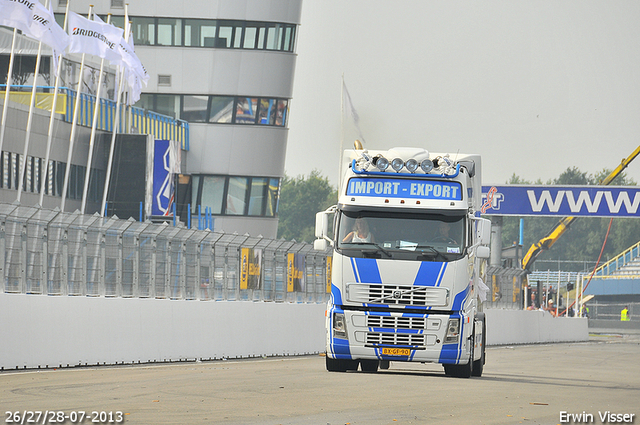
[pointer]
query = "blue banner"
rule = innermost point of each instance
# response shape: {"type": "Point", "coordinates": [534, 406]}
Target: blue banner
{"type": "Point", "coordinates": [163, 175]}
{"type": "Point", "coordinates": [585, 201]}
{"type": "Point", "coordinates": [404, 188]}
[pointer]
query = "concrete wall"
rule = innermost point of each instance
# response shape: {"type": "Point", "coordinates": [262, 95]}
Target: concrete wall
{"type": "Point", "coordinates": [526, 327]}
{"type": "Point", "coordinates": [59, 331]}
{"type": "Point", "coordinates": [49, 331]}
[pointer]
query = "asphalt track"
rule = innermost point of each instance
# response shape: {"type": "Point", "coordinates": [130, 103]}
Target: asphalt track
{"type": "Point", "coordinates": [532, 384]}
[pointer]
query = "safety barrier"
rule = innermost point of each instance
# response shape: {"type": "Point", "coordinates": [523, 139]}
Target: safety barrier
{"type": "Point", "coordinates": [48, 252]}
{"type": "Point", "coordinates": [505, 288]}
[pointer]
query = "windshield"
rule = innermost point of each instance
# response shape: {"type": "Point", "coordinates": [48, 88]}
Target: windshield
{"type": "Point", "coordinates": [406, 236]}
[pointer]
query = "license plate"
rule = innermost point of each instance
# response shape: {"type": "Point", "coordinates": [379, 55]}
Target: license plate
{"type": "Point", "coordinates": [396, 351]}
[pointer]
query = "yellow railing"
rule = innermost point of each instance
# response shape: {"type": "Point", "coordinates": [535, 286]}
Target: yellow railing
{"type": "Point", "coordinates": [617, 262]}
{"type": "Point", "coordinates": [43, 100]}
{"type": "Point", "coordinates": [144, 121]}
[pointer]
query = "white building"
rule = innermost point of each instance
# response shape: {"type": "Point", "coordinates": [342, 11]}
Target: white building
{"type": "Point", "coordinates": [227, 68]}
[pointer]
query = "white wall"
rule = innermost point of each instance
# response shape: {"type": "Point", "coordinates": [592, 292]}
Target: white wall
{"type": "Point", "coordinates": [527, 327]}
{"type": "Point", "coordinates": [48, 331]}
{"type": "Point", "coordinates": [53, 331]}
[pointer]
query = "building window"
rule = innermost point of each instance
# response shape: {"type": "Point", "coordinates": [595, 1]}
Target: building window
{"type": "Point", "coordinates": [194, 108]}
{"type": "Point", "coordinates": [235, 195]}
{"type": "Point", "coordinates": [169, 32]}
{"type": "Point", "coordinates": [271, 208]}
{"type": "Point", "coordinates": [199, 33]}
{"type": "Point", "coordinates": [227, 34]}
{"type": "Point", "coordinates": [166, 104]}
{"type": "Point", "coordinates": [144, 31]}
{"type": "Point", "coordinates": [246, 108]}
{"type": "Point", "coordinates": [221, 110]}
{"type": "Point", "coordinates": [250, 37]}
{"type": "Point", "coordinates": [211, 193]}
{"type": "Point", "coordinates": [257, 196]}
{"type": "Point", "coordinates": [218, 109]}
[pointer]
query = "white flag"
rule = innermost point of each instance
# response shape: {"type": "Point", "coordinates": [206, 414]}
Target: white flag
{"type": "Point", "coordinates": [136, 74]}
{"type": "Point", "coordinates": [93, 37]}
{"type": "Point", "coordinates": [44, 28]}
{"type": "Point", "coordinates": [17, 14]}
{"type": "Point", "coordinates": [35, 21]}
{"type": "Point", "coordinates": [351, 110]}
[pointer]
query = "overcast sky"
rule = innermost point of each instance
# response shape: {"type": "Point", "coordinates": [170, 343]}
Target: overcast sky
{"type": "Point", "coordinates": [533, 86]}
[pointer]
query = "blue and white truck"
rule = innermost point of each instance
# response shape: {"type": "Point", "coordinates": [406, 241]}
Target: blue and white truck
{"type": "Point", "coordinates": [409, 253]}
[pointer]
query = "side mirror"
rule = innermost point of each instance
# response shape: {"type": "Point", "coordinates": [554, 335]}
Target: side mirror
{"type": "Point", "coordinates": [483, 229]}
{"type": "Point", "coordinates": [320, 245]}
{"type": "Point", "coordinates": [322, 224]}
{"type": "Point", "coordinates": [483, 252]}
{"type": "Point", "coordinates": [322, 229]}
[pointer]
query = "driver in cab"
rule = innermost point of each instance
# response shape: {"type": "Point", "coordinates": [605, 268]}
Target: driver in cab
{"type": "Point", "coordinates": [360, 232]}
{"type": "Point", "coordinates": [442, 233]}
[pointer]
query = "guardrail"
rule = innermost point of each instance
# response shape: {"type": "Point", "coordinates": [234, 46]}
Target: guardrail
{"type": "Point", "coordinates": [48, 252]}
{"type": "Point", "coordinates": [131, 118]}
{"type": "Point", "coordinates": [619, 261]}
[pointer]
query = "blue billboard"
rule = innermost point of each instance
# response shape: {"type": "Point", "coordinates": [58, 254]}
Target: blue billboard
{"type": "Point", "coordinates": [579, 201]}
{"type": "Point", "coordinates": [166, 164]}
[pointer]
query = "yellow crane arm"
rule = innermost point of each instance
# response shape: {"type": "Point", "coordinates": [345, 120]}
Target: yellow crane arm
{"type": "Point", "coordinates": [563, 225]}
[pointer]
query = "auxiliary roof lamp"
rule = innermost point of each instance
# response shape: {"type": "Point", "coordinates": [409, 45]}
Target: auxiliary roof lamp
{"type": "Point", "coordinates": [380, 162]}
{"type": "Point", "coordinates": [412, 165]}
{"type": "Point", "coordinates": [397, 164]}
{"type": "Point", "coordinates": [426, 165]}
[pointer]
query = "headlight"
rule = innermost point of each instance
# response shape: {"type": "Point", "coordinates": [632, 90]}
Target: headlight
{"type": "Point", "coordinates": [453, 331]}
{"type": "Point", "coordinates": [339, 325]}
{"type": "Point", "coordinates": [397, 164]}
{"type": "Point", "coordinates": [412, 165]}
{"type": "Point", "coordinates": [426, 165]}
{"type": "Point", "coordinates": [380, 162]}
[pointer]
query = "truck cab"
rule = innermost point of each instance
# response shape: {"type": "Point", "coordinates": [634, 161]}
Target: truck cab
{"type": "Point", "coordinates": [409, 251]}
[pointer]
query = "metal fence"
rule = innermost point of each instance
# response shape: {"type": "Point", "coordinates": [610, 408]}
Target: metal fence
{"type": "Point", "coordinates": [49, 252]}
{"type": "Point", "coordinates": [505, 287]}
{"type": "Point", "coordinates": [599, 310]}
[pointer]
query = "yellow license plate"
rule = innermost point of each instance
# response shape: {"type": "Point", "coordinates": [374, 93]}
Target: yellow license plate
{"type": "Point", "coordinates": [396, 351]}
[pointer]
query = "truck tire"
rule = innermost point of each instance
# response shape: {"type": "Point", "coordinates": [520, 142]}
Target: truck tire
{"type": "Point", "coordinates": [340, 365]}
{"type": "Point", "coordinates": [370, 366]}
{"type": "Point", "coordinates": [461, 370]}
{"type": "Point", "coordinates": [478, 365]}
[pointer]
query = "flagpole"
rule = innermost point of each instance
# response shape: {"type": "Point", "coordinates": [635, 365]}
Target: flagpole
{"type": "Point", "coordinates": [27, 139]}
{"type": "Point", "coordinates": [7, 89]}
{"type": "Point", "coordinates": [76, 108]}
{"type": "Point", "coordinates": [94, 125]}
{"type": "Point", "coordinates": [52, 117]}
{"type": "Point", "coordinates": [116, 123]}
{"type": "Point", "coordinates": [341, 132]}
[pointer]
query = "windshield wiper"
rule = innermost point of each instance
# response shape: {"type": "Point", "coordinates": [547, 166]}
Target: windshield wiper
{"type": "Point", "coordinates": [432, 251]}
{"type": "Point", "coordinates": [378, 248]}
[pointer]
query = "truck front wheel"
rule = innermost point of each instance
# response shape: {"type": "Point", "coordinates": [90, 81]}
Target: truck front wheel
{"type": "Point", "coordinates": [340, 365]}
{"type": "Point", "coordinates": [370, 366]}
{"type": "Point", "coordinates": [461, 370]}
{"type": "Point", "coordinates": [478, 365]}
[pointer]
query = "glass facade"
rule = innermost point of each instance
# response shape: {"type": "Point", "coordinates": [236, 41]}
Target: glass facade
{"type": "Point", "coordinates": [218, 109]}
{"type": "Point", "coordinates": [235, 195]}
{"type": "Point", "coordinates": [220, 34]}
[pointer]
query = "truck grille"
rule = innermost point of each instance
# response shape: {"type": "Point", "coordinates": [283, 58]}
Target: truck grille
{"type": "Point", "coordinates": [404, 295]}
{"type": "Point", "coordinates": [397, 322]}
{"type": "Point", "coordinates": [379, 338]}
